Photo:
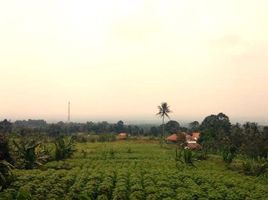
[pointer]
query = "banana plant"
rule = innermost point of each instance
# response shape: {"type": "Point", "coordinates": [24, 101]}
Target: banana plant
{"type": "Point", "coordinates": [184, 156]}
{"type": "Point", "coordinates": [228, 155]}
{"type": "Point", "coordinates": [64, 148]}
{"type": "Point", "coordinates": [30, 154]}
{"type": "Point", "coordinates": [5, 174]}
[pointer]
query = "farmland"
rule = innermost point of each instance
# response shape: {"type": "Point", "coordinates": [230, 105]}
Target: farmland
{"type": "Point", "coordinates": [132, 170]}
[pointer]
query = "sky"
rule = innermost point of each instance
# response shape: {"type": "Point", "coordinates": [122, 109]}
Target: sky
{"type": "Point", "coordinates": [119, 59]}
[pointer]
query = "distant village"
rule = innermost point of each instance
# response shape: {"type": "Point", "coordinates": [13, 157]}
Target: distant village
{"type": "Point", "coordinates": [190, 141]}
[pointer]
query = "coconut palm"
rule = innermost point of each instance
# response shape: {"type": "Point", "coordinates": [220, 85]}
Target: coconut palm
{"type": "Point", "coordinates": [163, 111]}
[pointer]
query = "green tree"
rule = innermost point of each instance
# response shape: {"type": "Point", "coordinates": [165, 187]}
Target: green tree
{"type": "Point", "coordinates": [173, 126]}
{"type": "Point", "coordinates": [5, 126]}
{"type": "Point", "coordinates": [54, 130]}
{"type": "Point", "coordinates": [214, 124]}
{"type": "Point", "coordinates": [194, 126]}
{"type": "Point", "coordinates": [214, 129]}
{"type": "Point", "coordinates": [163, 111]}
{"type": "Point", "coordinates": [119, 126]}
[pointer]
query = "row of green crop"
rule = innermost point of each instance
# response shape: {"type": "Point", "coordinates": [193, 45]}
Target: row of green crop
{"type": "Point", "coordinates": [146, 172]}
{"type": "Point", "coordinates": [117, 182]}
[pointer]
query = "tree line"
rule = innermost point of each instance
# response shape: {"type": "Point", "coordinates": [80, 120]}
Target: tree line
{"type": "Point", "coordinates": [217, 132]}
{"type": "Point", "coordinates": [28, 127]}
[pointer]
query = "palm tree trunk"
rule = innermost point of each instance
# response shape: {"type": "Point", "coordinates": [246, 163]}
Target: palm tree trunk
{"type": "Point", "coordinates": [163, 131]}
{"type": "Point", "coordinates": [163, 126]}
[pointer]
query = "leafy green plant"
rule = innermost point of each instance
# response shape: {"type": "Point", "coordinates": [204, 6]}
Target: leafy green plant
{"type": "Point", "coordinates": [184, 156]}
{"type": "Point", "coordinates": [129, 150]}
{"type": "Point", "coordinates": [64, 148]}
{"type": "Point", "coordinates": [24, 194]}
{"type": "Point", "coordinates": [201, 154]}
{"type": "Point", "coordinates": [228, 155]}
{"type": "Point", "coordinates": [30, 154]}
{"type": "Point", "coordinates": [188, 156]}
{"type": "Point", "coordinates": [255, 167]}
{"type": "Point", "coordinates": [4, 148]}
{"type": "Point", "coordinates": [5, 174]}
{"type": "Point", "coordinates": [106, 138]}
{"type": "Point", "coordinates": [112, 153]}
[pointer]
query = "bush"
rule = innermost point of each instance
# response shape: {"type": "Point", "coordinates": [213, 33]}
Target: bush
{"type": "Point", "coordinates": [112, 153]}
{"type": "Point", "coordinates": [5, 174]}
{"type": "Point", "coordinates": [184, 156]}
{"type": "Point", "coordinates": [106, 138]}
{"type": "Point", "coordinates": [4, 149]}
{"type": "Point", "coordinates": [228, 155]}
{"type": "Point", "coordinates": [64, 148]}
{"type": "Point", "coordinates": [30, 154]}
{"type": "Point", "coordinates": [201, 154]}
{"type": "Point", "coordinates": [255, 167]}
{"type": "Point", "coordinates": [129, 150]}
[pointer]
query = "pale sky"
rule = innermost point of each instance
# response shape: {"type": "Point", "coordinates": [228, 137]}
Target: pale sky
{"type": "Point", "coordinates": [120, 59]}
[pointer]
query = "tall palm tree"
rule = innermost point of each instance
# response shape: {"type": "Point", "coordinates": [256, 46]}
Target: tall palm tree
{"type": "Point", "coordinates": [163, 111]}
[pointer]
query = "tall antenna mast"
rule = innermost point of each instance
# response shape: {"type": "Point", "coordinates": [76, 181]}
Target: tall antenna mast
{"type": "Point", "coordinates": [69, 111]}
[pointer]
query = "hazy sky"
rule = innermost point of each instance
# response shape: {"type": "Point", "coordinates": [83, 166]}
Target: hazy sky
{"type": "Point", "coordinates": [120, 59]}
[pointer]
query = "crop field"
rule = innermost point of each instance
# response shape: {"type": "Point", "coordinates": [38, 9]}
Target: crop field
{"type": "Point", "coordinates": [132, 170]}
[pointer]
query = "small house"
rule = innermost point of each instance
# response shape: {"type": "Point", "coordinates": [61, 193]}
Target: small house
{"type": "Point", "coordinates": [172, 138]}
{"type": "Point", "coordinates": [190, 140]}
{"type": "Point", "coordinates": [122, 136]}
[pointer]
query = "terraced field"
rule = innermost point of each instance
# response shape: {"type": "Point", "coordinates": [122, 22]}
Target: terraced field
{"type": "Point", "coordinates": [132, 170]}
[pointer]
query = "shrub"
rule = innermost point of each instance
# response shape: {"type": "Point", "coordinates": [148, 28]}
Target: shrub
{"type": "Point", "coordinates": [106, 138]}
{"type": "Point", "coordinates": [129, 150]}
{"type": "Point", "coordinates": [228, 155]}
{"type": "Point", "coordinates": [4, 149]}
{"type": "Point", "coordinates": [201, 154]}
{"type": "Point", "coordinates": [24, 194]}
{"type": "Point", "coordinates": [5, 174]}
{"type": "Point", "coordinates": [64, 148]}
{"type": "Point", "coordinates": [30, 154]}
{"type": "Point", "coordinates": [184, 156]}
{"type": "Point", "coordinates": [255, 167]}
{"type": "Point", "coordinates": [112, 153]}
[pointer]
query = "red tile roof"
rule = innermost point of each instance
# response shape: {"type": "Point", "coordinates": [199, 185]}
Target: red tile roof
{"type": "Point", "coordinates": [172, 138]}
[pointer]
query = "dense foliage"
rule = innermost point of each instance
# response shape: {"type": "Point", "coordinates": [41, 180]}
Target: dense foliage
{"type": "Point", "coordinates": [64, 147]}
{"type": "Point", "coordinates": [30, 153]}
{"type": "Point", "coordinates": [144, 172]}
{"type": "Point", "coordinates": [4, 148]}
{"type": "Point", "coordinates": [249, 139]}
{"type": "Point", "coordinates": [5, 174]}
